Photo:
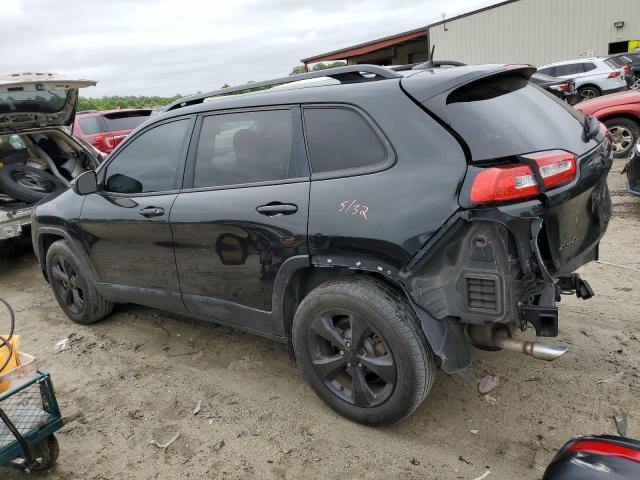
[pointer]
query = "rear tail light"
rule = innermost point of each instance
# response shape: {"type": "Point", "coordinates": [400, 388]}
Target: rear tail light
{"type": "Point", "coordinates": [498, 184]}
{"type": "Point", "coordinates": [515, 182]}
{"type": "Point", "coordinates": [106, 143]}
{"type": "Point", "coordinates": [605, 448]}
{"type": "Point", "coordinates": [563, 87]}
{"type": "Point", "coordinates": [556, 167]}
{"type": "Point", "coordinates": [614, 74]}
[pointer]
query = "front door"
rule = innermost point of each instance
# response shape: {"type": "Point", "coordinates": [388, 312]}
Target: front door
{"type": "Point", "coordinates": [244, 213]}
{"type": "Point", "coordinates": [128, 239]}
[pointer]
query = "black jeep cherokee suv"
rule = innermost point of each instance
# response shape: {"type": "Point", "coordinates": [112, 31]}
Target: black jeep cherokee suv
{"type": "Point", "coordinates": [377, 222]}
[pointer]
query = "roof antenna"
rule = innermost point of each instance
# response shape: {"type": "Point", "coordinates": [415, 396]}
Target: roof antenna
{"type": "Point", "coordinates": [429, 63]}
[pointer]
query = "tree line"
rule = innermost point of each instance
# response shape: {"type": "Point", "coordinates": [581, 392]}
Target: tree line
{"type": "Point", "coordinates": [140, 101]}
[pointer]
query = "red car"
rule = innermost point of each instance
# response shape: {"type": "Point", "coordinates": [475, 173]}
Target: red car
{"type": "Point", "coordinates": [106, 129]}
{"type": "Point", "coordinates": [620, 112]}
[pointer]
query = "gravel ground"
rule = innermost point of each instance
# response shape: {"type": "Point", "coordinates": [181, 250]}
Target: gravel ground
{"type": "Point", "coordinates": [137, 377]}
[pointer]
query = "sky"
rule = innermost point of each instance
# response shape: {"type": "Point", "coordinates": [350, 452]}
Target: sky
{"type": "Point", "coordinates": [162, 47]}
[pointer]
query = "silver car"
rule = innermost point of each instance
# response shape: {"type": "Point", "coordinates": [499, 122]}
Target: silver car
{"type": "Point", "coordinates": [38, 157]}
{"type": "Point", "coordinates": [593, 76]}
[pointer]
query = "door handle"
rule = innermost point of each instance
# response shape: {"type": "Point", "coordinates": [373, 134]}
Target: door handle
{"type": "Point", "coordinates": [277, 208]}
{"type": "Point", "coordinates": [150, 212]}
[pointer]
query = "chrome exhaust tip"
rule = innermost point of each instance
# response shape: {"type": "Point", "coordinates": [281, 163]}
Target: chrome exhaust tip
{"type": "Point", "coordinates": [547, 351]}
{"type": "Point", "coordinates": [542, 351]}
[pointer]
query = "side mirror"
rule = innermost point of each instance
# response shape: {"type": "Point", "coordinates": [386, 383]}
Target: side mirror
{"type": "Point", "coordinates": [86, 183]}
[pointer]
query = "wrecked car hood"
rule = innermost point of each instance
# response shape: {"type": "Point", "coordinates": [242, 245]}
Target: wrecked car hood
{"type": "Point", "coordinates": [38, 100]}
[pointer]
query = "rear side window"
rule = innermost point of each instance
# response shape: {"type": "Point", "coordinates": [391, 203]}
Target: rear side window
{"type": "Point", "coordinates": [125, 121]}
{"type": "Point", "coordinates": [246, 147]}
{"type": "Point", "coordinates": [149, 163]}
{"type": "Point", "coordinates": [341, 139]}
{"type": "Point", "coordinates": [588, 66]}
{"type": "Point", "coordinates": [90, 125]}
{"type": "Point", "coordinates": [505, 115]}
{"type": "Point", "coordinates": [551, 71]}
{"type": "Point", "coordinates": [569, 69]}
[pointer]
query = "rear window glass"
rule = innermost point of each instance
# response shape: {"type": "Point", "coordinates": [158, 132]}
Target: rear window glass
{"type": "Point", "coordinates": [505, 115]}
{"type": "Point", "coordinates": [42, 101]}
{"type": "Point", "coordinates": [340, 139]}
{"type": "Point", "coordinates": [90, 125]}
{"type": "Point", "coordinates": [127, 121]}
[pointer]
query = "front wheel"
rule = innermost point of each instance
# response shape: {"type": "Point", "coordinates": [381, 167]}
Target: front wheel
{"type": "Point", "coordinates": [361, 349]}
{"type": "Point", "coordinates": [72, 285]}
{"type": "Point", "coordinates": [625, 133]}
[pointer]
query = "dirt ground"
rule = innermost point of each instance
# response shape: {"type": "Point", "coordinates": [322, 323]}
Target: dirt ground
{"type": "Point", "coordinates": [138, 376]}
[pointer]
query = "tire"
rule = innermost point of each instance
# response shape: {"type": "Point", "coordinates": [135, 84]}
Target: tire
{"type": "Point", "coordinates": [336, 369]}
{"type": "Point", "coordinates": [625, 134]}
{"type": "Point", "coordinates": [588, 92]}
{"type": "Point", "coordinates": [72, 286]}
{"type": "Point", "coordinates": [48, 452]}
{"type": "Point", "coordinates": [28, 184]}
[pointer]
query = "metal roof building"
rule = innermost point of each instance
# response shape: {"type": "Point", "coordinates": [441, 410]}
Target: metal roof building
{"type": "Point", "coordinates": [512, 31]}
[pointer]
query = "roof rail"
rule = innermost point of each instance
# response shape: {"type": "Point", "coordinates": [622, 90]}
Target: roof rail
{"type": "Point", "coordinates": [346, 74]}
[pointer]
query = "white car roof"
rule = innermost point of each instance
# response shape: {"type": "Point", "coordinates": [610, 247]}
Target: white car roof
{"type": "Point", "coordinates": [577, 60]}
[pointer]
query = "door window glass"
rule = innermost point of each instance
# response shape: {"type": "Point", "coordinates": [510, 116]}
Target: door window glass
{"type": "Point", "coordinates": [568, 69]}
{"type": "Point", "coordinates": [588, 66]}
{"type": "Point", "coordinates": [150, 162]}
{"type": "Point", "coordinates": [246, 147]}
{"type": "Point", "coordinates": [340, 139]}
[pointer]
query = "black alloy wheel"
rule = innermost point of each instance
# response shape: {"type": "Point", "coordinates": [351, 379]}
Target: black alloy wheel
{"type": "Point", "coordinates": [65, 281]}
{"type": "Point", "coordinates": [72, 285]}
{"type": "Point", "coordinates": [361, 348]}
{"type": "Point", "coordinates": [352, 358]}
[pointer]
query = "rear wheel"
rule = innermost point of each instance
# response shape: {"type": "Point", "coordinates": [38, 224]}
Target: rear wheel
{"type": "Point", "coordinates": [72, 286]}
{"type": "Point", "coordinates": [360, 348]}
{"type": "Point", "coordinates": [586, 93]}
{"type": "Point", "coordinates": [625, 133]}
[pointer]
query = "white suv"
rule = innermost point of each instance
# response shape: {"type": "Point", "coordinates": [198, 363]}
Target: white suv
{"type": "Point", "coordinates": [593, 76]}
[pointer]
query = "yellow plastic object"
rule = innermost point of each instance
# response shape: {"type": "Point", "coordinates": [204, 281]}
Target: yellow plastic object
{"type": "Point", "coordinates": [14, 361]}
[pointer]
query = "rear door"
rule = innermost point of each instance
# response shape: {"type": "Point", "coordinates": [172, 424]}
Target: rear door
{"type": "Point", "coordinates": [126, 224]}
{"type": "Point", "coordinates": [242, 214]}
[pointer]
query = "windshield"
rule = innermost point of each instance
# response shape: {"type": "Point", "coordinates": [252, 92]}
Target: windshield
{"type": "Point", "coordinates": [42, 101]}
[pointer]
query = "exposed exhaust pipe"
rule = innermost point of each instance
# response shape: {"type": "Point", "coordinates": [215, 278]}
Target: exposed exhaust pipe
{"type": "Point", "coordinates": [541, 351]}
{"type": "Point", "coordinates": [500, 339]}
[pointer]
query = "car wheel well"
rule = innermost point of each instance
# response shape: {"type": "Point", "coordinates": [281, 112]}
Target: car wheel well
{"type": "Point", "coordinates": [590, 85]}
{"type": "Point", "coordinates": [628, 116]}
{"type": "Point", "coordinates": [307, 279]}
{"type": "Point", "coordinates": [45, 242]}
